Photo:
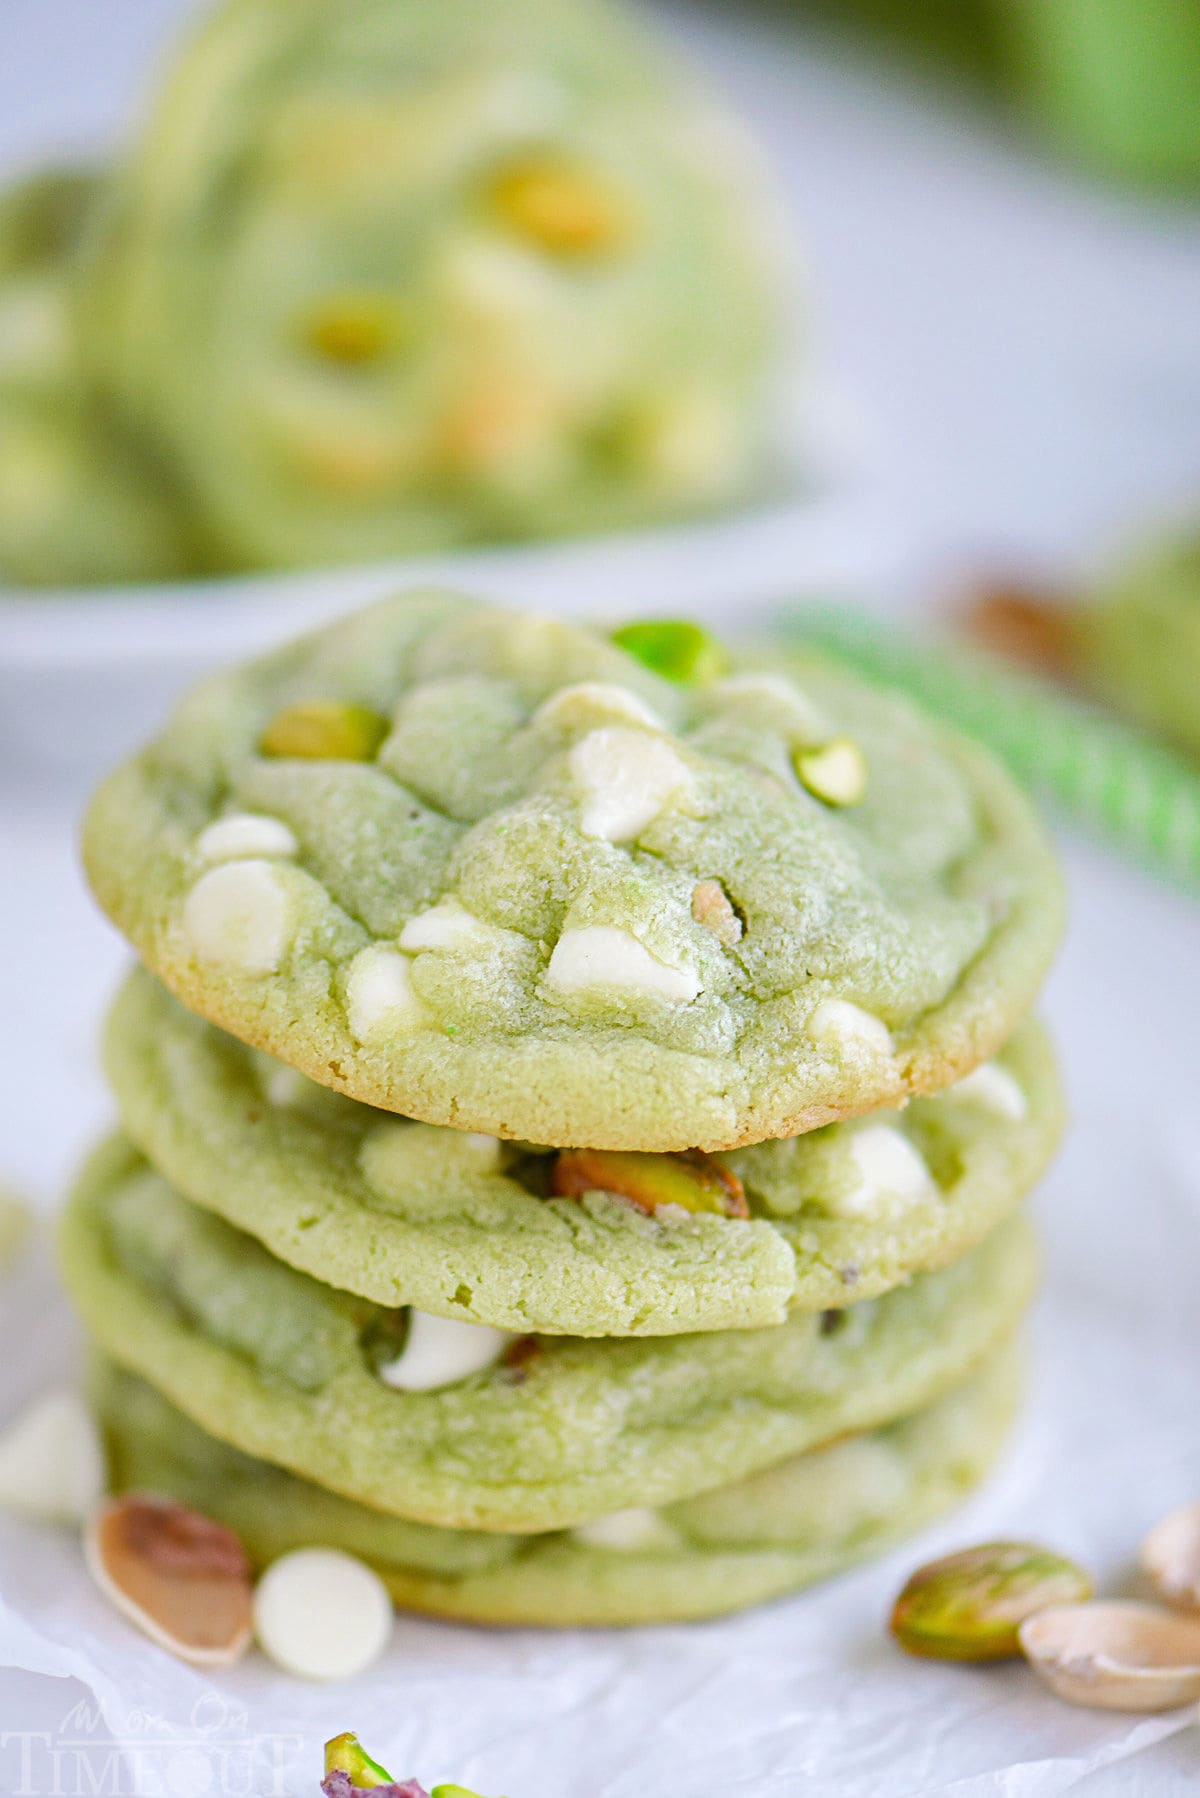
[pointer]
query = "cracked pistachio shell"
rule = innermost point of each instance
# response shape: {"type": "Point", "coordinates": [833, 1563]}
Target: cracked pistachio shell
{"type": "Point", "coordinates": [969, 1606]}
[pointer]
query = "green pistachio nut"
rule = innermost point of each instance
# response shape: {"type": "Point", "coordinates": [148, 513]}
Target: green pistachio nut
{"type": "Point", "coordinates": [835, 772]}
{"type": "Point", "coordinates": [676, 648]}
{"type": "Point", "coordinates": [969, 1606]}
{"type": "Point", "coordinates": [693, 1181]}
{"type": "Point", "coordinates": [345, 1754]}
{"type": "Point", "coordinates": [325, 730]}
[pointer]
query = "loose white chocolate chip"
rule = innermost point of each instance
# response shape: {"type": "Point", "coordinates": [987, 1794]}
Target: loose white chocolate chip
{"type": "Point", "coordinates": [994, 1087]}
{"type": "Point", "coordinates": [588, 702]}
{"type": "Point", "coordinates": [322, 1614]}
{"type": "Point", "coordinates": [601, 955]}
{"type": "Point", "coordinates": [51, 1460]}
{"type": "Point", "coordinates": [245, 834]}
{"type": "Point", "coordinates": [627, 776]}
{"type": "Point", "coordinates": [626, 1532]}
{"type": "Point", "coordinates": [889, 1173]}
{"type": "Point", "coordinates": [379, 993]}
{"type": "Point", "coordinates": [440, 1351]}
{"type": "Point", "coordinates": [237, 915]}
{"type": "Point", "coordinates": [284, 1087]}
{"type": "Point", "coordinates": [837, 1024]}
{"type": "Point", "coordinates": [447, 925]}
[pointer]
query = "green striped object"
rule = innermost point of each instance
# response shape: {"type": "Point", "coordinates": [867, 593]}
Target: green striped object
{"type": "Point", "coordinates": [1140, 797]}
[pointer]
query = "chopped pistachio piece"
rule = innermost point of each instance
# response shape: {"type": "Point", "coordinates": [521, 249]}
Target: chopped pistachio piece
{"type": "Point", "coordinates": [346, 1754]}
{"type": "Point", "coordinates": [969, 1606]}
{"type": "Point", "coordinates": [692, 1181]}
{"type": "Point", "coordinates": [352, 328]}
{"type": "Point", "coordinates": [836, 772]}
{"type": "Point", "coordinates": [325, 730]}
{"type": "Point", "coordinates": [712, 907]}
{"type": "Point", "coordinates": [676, 648]}
{"type": "Point", "coordinates": [562, 210]}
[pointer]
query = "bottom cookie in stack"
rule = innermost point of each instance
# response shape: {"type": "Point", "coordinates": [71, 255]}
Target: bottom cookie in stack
{"type": "Point", "coordinates": [801, 1520]}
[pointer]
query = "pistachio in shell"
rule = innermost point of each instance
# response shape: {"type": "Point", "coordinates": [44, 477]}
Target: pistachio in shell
{"type": "Point", "coordinates": [1170, 1555]}
{"type": "Point", "coordinates": [324, 730]}
{"type": "Point", "coordinates": [184, 1579]}
{"type": "Point", "coordinates": [692, 1180]}
{"type": "Point", "coordinates": [969, 1606]}
{"type": "Point", "coordinates": [1116, 1656]}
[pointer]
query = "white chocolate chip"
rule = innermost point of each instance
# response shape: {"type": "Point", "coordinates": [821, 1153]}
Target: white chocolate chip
{"type": "Point", "coordinates": [237, 915]}
{"type": "Point", "coordinates": [487, 1148]}
{"type": "Point", "coordinates": [890, 1175]}
{"type": "Point", "coordinates": [51, 1461]}
{"type": "Point", "coordinates": [626, 1532]}
{"type": "Point", "coordinates": [692, 444]}
{"type": "Point", "coordinates": [245, 834]}
{"type": "Point", "coordinates": [322, 1614]}
{"type": "Point", "coordinates": [837, 1024]}
{"type": "Point", "coordinates": [285, 1086]}
{"type": "Point", "coordinates": [601, 955]}
{"type": "Point", "coordinates": [440, 1351]}
{"type": "Point", "coordinates": [627, 777]}
{"type": "Point", "coordinates": [994, 1087]}
{"type": "Point", "coordinates": [379, 993]}
{"type": "Point", "coordinates": [591, 701]}
{"type": "Point", "coordinates": [447, 925]}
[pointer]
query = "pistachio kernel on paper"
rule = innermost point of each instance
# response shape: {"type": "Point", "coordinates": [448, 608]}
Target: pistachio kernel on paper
{"type": "Point", "coordinates": [692, 1180]}
{"type": "Point", "coordinates": [324, 730]}
{"type": "Point", "coordinates": [969, 1606]}
{"type": "Point", "coordinates": [675, 648]}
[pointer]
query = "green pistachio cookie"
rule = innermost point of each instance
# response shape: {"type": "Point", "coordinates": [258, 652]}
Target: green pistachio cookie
{"type": "Point", "coordinates": [586, 1243]}
{"type": "Point", "coordinates": [381, 278]}
{"type": "Point", "coordinates": [799, 1521]}
{"type": "Point", "coordinates": [75, 506]}
{"type": "Point", "coordinates": [517, 1433]}
{"type": "Point", "coordinates": [490, 870]}
{"type": "Point", "coordinates": [1140, 641]}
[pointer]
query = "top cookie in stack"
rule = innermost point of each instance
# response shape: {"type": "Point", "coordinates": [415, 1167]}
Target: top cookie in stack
{"type": "Point", "coordinates": [495, 872]}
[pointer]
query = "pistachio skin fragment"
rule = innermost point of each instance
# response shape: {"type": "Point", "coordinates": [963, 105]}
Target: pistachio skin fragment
{"type": "Point", "coordinates": [712, 907]}
{"type": "Point", "coordinates": [346, 1754]}
{"type": "Point", "coordinates": [324, 730]}
{"type": "Point", "coordinates": [692, 1180]}
{"type": "Point", "coordinates": [969, 1606]}
{"type": "Point", "coordinates": [834, 772]}
{"type": "Point", "coordinates": [675, 648]}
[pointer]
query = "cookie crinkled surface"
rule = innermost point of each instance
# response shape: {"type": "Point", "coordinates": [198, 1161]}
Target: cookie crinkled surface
{"type": "Point", "coordinates": [518, 883]}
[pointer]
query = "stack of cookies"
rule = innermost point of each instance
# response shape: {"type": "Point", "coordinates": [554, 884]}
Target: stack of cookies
{"type": "Point", "coordinates": [575, 1104]}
